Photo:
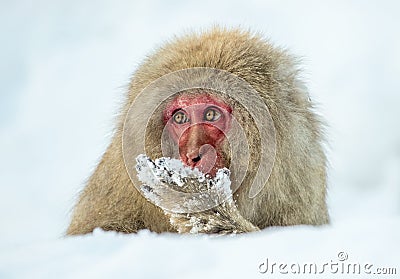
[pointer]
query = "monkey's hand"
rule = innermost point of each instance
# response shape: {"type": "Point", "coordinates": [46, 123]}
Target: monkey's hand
{"type": "Point", "coordinates": [222, 219]}
{"type": "Point", "coordinates": [194, 202]}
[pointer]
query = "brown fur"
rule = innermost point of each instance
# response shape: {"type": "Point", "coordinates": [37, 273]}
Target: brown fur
{"type": "Point", "coordinates": [295, 192]}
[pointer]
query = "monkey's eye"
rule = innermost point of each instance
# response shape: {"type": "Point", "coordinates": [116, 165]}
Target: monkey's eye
{"type": "Point", "coordinates": [180, 118]}
{"type": "Point", "coordinates": [212, 114]}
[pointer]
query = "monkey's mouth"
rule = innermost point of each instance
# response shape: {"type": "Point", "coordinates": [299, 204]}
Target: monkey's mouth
{"type": "Point", "coordinates": [197, 159]}
{"type": "Point", "coordinates": [206, 160]}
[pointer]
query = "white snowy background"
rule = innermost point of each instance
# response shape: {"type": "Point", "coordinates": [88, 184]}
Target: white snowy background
{"type": "Point", "coordinates": [64, 66]}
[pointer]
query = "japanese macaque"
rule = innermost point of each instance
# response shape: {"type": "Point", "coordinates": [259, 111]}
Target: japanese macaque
{"type": "Point", "coordinates": [200, 123]}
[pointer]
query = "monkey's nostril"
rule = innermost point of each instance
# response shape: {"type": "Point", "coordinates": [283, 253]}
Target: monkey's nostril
{"type": "Point", "coordinates": [196, 159]}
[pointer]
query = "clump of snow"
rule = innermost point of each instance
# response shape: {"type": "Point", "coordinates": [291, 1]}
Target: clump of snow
{"type": "Point", "coordinates": [164, 178]}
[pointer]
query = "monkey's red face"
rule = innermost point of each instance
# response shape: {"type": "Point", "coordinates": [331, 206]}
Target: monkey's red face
{"type": "Point", "coordinates": [198, 125]}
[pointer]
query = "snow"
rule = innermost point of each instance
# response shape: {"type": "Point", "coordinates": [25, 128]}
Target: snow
{"type": "Point", "coordinates": [63, 72]}
{"type": "Point", "coordinates": [149, 255]}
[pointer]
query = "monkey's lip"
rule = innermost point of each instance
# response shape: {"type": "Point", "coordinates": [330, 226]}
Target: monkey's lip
{"type": "Point", "coordinates": [195, 165]}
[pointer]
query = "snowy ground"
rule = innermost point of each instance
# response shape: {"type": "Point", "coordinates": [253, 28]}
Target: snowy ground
{"type": "Point", "coordinates": [64, 65]}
